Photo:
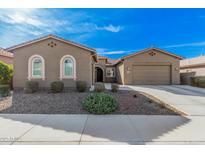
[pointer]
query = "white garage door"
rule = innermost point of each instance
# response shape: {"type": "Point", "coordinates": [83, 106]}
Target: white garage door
{"type": "Point", "coordinates": [151, 74]}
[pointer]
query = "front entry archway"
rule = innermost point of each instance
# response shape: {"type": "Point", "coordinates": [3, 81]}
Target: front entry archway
{"type": "Point", "coordinates": [98, 74]}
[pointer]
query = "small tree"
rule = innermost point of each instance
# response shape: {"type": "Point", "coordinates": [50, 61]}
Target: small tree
{"type": "Point", "coordinates": [6, 73]}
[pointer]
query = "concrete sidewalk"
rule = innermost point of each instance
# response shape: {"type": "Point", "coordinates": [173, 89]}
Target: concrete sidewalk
{"type": "Point", "coordinates": [108, 129]}
{"type": "Point", "coordinates": [190, 100]}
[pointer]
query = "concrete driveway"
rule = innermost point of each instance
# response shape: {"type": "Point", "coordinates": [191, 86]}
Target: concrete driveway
{"type": "Point", "coordinates": [108, 129]}
{"type": "Point", "coordinates": [190, 100]}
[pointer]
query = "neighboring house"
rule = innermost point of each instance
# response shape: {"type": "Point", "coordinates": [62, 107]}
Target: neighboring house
{"type": "Point", "coordinates": [6, 57]}
{"type": "Point", "coordinates": [193, 67]}
{"type": "Point", "coordinates": [51, 58]}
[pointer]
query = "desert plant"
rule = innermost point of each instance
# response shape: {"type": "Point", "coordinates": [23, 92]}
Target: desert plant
{"type": "Point", "coordinates": [6, 73]}
{"type": "Point", "coordinates": [57, 86]}
{"type": "Point", "coordinates": [201, 82]}
{"type": "Point", "coordinates": [81, 86]}
{"type": "Point", "coordinates": [100, 103]}
{"type": "Point", "coordinates": [198, 81]}
{"type": "Point", "coordinates": [99, 87]}
{"type": "Point", "coordinates": [194, 81]}
{"type": "Point", "coordinates": [114, 87]}
{"type": "Point", "coordinates": [4, 90]}
{"type": "Point", "coordinates": [31, 87]}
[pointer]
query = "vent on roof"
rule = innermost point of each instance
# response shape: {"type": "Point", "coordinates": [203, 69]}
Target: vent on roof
{"type": "Point", "coordinates": [152, 53]}
{"type": "Point", "coordinates": [52, 44]}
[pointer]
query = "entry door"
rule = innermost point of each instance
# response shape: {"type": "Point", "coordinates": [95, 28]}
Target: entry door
{"type": "Point", "coordinates": [99, 74]}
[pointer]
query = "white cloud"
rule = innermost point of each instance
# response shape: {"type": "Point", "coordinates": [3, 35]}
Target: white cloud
{"type": "Point", "coordinates": [103, 51]}
{"type": "Point", "coordinates": [29, 23]}
{"type": "Point", "coordinates": [19, 18]}
{"type": "Point", "coordinates": [112, 52]}
{"type": "Point", "coordinates": [110, 28]}
{"type": "Point", "coordinates": [186, 45]}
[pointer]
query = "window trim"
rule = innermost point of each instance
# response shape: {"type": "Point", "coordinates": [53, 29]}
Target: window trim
{"type": "Point", "coordinates": [30, 68]}
{"type": "Point", "coordinates": [113, 72]}
{"type": "Point", "coordinates": [62, 73]}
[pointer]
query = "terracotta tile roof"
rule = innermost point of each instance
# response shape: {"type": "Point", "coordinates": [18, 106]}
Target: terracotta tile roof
{"type": "Point", "coordinates": [102, 57]}
{"type": "Point", "coordinates": [5, 53]}
{"type": "Point", "coordinates": [110, 62]}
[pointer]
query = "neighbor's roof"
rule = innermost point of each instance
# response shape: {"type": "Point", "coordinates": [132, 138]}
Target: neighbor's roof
{"type": "Point", "coordinates": [152, 48]}
{"type": "Point", "coordinates": [47, 37]}
{"type": "Point", "coordinates": [193, 62]}
{"type": "Point", "coordinates": [5, 53]}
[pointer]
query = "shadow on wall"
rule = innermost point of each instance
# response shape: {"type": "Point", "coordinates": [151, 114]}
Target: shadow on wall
{"type": "Point", "coordinates": [115, 128]}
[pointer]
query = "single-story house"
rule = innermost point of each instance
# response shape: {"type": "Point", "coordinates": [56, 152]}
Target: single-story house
{"type": "Point", "coordinates": [52, 58]}
{"type": "Point", "coordinates": [192, 67]}
{"type": "Point", "coordinates": [6, 57]}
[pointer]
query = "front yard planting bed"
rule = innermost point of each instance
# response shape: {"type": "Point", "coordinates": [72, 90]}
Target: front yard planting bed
{"type": "Point", "coordinates": [129, 102]}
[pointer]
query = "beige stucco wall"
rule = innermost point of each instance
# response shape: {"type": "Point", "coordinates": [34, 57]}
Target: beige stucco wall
{"type": "Point", "coordinates": [145, 59]}
{"type": "Point", "coordinates": [52, 58]}
{"type": "Point", "coordinates": [120, 73]}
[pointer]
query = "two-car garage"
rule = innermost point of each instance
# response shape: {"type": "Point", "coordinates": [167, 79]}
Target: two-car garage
{"type": "Point", "coordinates": [151, 74]}
{"type": "Point", "coordinates": [152, 66]}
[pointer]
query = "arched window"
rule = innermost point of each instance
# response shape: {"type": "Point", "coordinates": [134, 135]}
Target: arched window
{"type": "Point", "coordinates": [36, 67]}
{"type": "Point", "coordinates": [67, 67]}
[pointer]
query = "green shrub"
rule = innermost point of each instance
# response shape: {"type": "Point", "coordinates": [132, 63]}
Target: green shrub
{"type": "Point", "coordinates": [99, 87]}
{"type": "Point", "coordinates": [6, 73]}
{"type": "Point", "coordinates": [81, 86]}
{"type": "Point", "coordinates": [198, 81]}
{"type": "Point", "coordinates": [114, 87]}
{"type": "Point", "coordinates": [194, 81]}
{"type": "Point", "coordinates": [201, 83]}
{"type": "Point", "coordinates": [57, 87]}
{"type": "Point", "coordinates": [4, 90]}
{"type": "Point", "coordinates": [100, 103]}
{"type": "Point", "coordinates": [31, 87]}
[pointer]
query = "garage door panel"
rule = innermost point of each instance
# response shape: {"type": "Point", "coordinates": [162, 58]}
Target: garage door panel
{"type": "Point", "coordinates": [151, 74]}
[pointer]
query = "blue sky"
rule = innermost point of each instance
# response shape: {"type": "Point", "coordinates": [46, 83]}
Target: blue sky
{"type": "Point", "coordinates": [113, 32]}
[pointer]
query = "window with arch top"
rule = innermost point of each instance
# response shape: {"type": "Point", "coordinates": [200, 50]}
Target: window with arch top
{"type": "Point", "coordinates": [36, 67]}
{"type": "Point", "coordinates": [67, 67]}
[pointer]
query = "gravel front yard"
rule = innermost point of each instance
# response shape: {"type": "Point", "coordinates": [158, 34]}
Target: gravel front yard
{"type": "Point", "coordinates": [130, 102]}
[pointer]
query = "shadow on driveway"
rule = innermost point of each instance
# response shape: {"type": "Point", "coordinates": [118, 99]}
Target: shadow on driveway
{"type": "Point", "coordinates": [89, 128]}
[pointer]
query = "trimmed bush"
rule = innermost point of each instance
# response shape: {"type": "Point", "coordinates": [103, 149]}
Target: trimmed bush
{"type": "Point", "coordinates": [100, 103]}
{"type": "Point", "coordinates": [198, 81]}
{"type": "Point", "coordinates": [31, 87]}
{"type": "Point", "coordinates": [6, 73]}
{"type": "Point", "coordinates": [99, 87]}
{"type": "Point", "coordinates": [4, 90]}
{"type": "Point", "coordinates": [201, 83]}
{"type": "Point", "coordinates": [57, 87]}
{"type": "Point", "coordinates": [114, 87]}
{"type": "Point", "coordinates": [81, 86]}
{"type": "Point", "coordinates": [194, 81]}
